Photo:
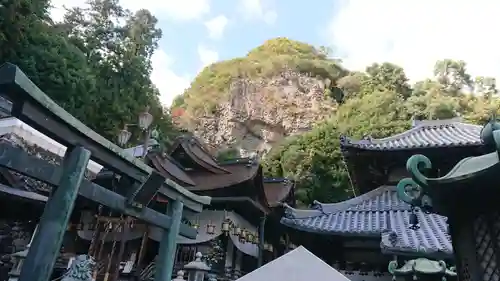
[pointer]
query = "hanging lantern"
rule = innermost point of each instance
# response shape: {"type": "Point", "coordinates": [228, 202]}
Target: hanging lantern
{"type": "Point", "coordinates": [250, 237]}
{"type": "Point", "coordinates": [282, 240]}
{"type": "Point", "coordinates": [145, 119]}
{"type": "Point", "coordinates": [210, 228]}
{"type": "Point", "coordinates": [226, 226]}
{"type": "Point", "coordinates": [196, 226]}
{"type": "Point", "coordinates": [236, 230]}
{"type": "Point", "coordinates": [270, 248]}
{"type": "Point", "coordinates": [256, 239]}
{"type": "Point", "coordinates": [124, 136]}
{"type": "Point", "coordinates": [243, 236]}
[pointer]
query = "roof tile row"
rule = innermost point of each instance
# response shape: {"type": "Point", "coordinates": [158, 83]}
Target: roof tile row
{"type": "Point", "coordinates": [377, 213]}
{"type": "Point", "coordinates": [424, 134]}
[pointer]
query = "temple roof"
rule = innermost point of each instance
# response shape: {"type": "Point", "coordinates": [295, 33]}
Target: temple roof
{"type": "Point", "coordinates": [423, 134]}
{"type": "Point", "coordinates": [471, 181]}
{"type": "Point", "coordinates": [211, 175]}
{"type": "Point", "coordinates": [237, 171]}
{"type": "Point", "coordinates": [277, 190]}
{"type": "Point", "coordinates": [377, 213]}
{"type": "Point", "coordinates": [195, 150]}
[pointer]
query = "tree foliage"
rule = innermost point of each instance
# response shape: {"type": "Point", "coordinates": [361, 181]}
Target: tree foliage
{"type": "Point", "coordinates": [212, 84]}
{"type": "Point", "coordinates": [378, 102]}
{"type": "Point", "coordinates": [96, 63]}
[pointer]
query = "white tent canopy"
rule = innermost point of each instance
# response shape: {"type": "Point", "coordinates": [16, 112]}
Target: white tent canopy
{"type": "Point", "coordinates": [297, 265]}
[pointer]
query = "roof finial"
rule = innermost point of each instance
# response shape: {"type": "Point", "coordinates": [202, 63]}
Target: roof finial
{"type": "Point", "coordinates": [414, 120]}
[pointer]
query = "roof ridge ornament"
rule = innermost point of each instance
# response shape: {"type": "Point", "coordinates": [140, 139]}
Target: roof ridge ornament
{"type": "Point", "coordinates": [487, 134]}
{"type": "Point", "coordinates": [316, 205]}
{"type": "Point", "coordinates": [419, 267]}
{"type": "Point", "coordinates": [414, 190]}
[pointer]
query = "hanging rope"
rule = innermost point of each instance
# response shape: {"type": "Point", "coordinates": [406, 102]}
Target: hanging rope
{"type": "Point", "coordinates": [95, 235]}
{"type": "Point", "coordinates": [123, 236]}
{"type": "Point", "coordinates": [113, 248]}
{"type": "Point", "coordinates": [107, 227]}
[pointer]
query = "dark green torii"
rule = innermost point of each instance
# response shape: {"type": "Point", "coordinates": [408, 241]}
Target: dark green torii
{"type": "Point", "coordinates": [32, 106]}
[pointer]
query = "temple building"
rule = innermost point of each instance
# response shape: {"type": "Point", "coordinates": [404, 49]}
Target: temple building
{"type": "Point", "coordinates": [376, 234]}
{"type": "Point", "coordinates": [238, 232]}
{"type": "Point", "coordinates": [229, 231]}
{"type": "Point", "coordinates": [468, 195]}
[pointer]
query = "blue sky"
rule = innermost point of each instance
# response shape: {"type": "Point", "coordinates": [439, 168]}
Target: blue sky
{"type": "Point", "coordinates": [411, 33]}
{"type": "Point", "coordinates": [241, 34]}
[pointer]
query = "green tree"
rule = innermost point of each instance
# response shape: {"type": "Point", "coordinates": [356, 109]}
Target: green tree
{"type": "Point", "coordinates": [314, 161]}
{"type": "Point", "coordinates": [388, 76]}
{"type": "Point", "coordinates": [97, 70]}
{"type": "Point", "coordinates": [485, 86]}
{"type": "Point", "coordinates": [119, 45]}
{"type": "Point", "coordinates": [379, 103]}
{"type": "Point", "coordinates": [452, 75]}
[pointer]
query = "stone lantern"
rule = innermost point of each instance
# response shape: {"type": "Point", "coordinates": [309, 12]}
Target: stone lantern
{"type": "Point", "coordinates": [197, 269]}
{"type": "Point", "coordinates": [19, 258]}
{"type": "Point", "coordinates": [180, 276]}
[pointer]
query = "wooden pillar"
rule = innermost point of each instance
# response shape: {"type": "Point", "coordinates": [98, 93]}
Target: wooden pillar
{"type": "Point", "coordinates": [54, 221]}
{"type": "Point", "coordinates": [262, 226]}
{"type": "Point", "coordinates": [228, 263]}
{"type": "Point", "coordinates": [168, 243]}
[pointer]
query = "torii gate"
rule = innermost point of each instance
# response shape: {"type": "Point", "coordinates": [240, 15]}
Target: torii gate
{"type": "Point", "coordinates": [36, 109]}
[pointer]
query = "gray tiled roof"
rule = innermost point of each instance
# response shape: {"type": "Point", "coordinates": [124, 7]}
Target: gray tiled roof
{"type": "Point", "coordinates": [376, 213]}
{"type": "Point", "coordinates": [423, 134]}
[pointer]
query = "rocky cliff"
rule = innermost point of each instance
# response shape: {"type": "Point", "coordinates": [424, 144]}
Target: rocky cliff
{"type": "Point", "coordinates": [259, 109]}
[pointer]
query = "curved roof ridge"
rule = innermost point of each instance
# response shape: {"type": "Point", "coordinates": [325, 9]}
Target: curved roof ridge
{"type": "Point", "coordinates": [293, 213]}
{"type": "Point", "coordinates": [423, 134]}
{"type": "Point", "coordinates": [431, 122]}
{"type": "Point", "coordinates": [353, 204]}
{"type": "Point", "coordinates": [355, 201]}
{"type": "Point", "coordinates": [276, 190]}
{"type": "Point", "coordinates": [196, 151]}
{"type": "Point", "coordinates": [165, 166]}
{"type": "Point", "coordinates": [275, 179]}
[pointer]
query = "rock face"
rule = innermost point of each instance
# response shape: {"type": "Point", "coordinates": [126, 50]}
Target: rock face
{"type": "Point", "coordinates": [259, 113]}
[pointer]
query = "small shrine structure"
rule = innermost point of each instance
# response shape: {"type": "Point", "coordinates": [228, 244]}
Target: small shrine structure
{"type": "Point", "coordinates": [237, 233]}
{"type": "Point", "coordinates": [376, 228]}
{"type": "Point", "coordinates": [467, 194]}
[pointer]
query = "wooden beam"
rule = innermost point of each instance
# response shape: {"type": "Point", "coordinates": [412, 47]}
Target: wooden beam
{"type": "Point", "coordinates": [48, 237]}
{"type": "Point", "coordinates": [20, 161]}
{"type": "Point", "coordinates": [143, 194]}
{"type": "Point", "coordinates": [36, 109]}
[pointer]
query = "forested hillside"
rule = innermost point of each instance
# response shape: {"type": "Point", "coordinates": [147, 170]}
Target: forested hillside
{"type": "Point", "coordinates": [285, 96]}
{"type": "Point", "coordinates": [96, 69]}
{"type": "Point", "coordinates": [378, 102]}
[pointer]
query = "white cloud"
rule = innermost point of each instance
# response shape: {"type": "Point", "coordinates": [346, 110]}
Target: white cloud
{"type": "Point", "coordinates": [258, 10]}
{"type": "Point", "coordinates": [176, 10]}
{"type": "Point", "coordinates": [57, 11]}
{"type": "Point", "coordinates": [415, 34]}
{"type": "Point", "coordinates": [168, 82]}
{"type": "Point", "coordinates": [207, 56]}
{"type": "Point", "coordinates": [216, 26]}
